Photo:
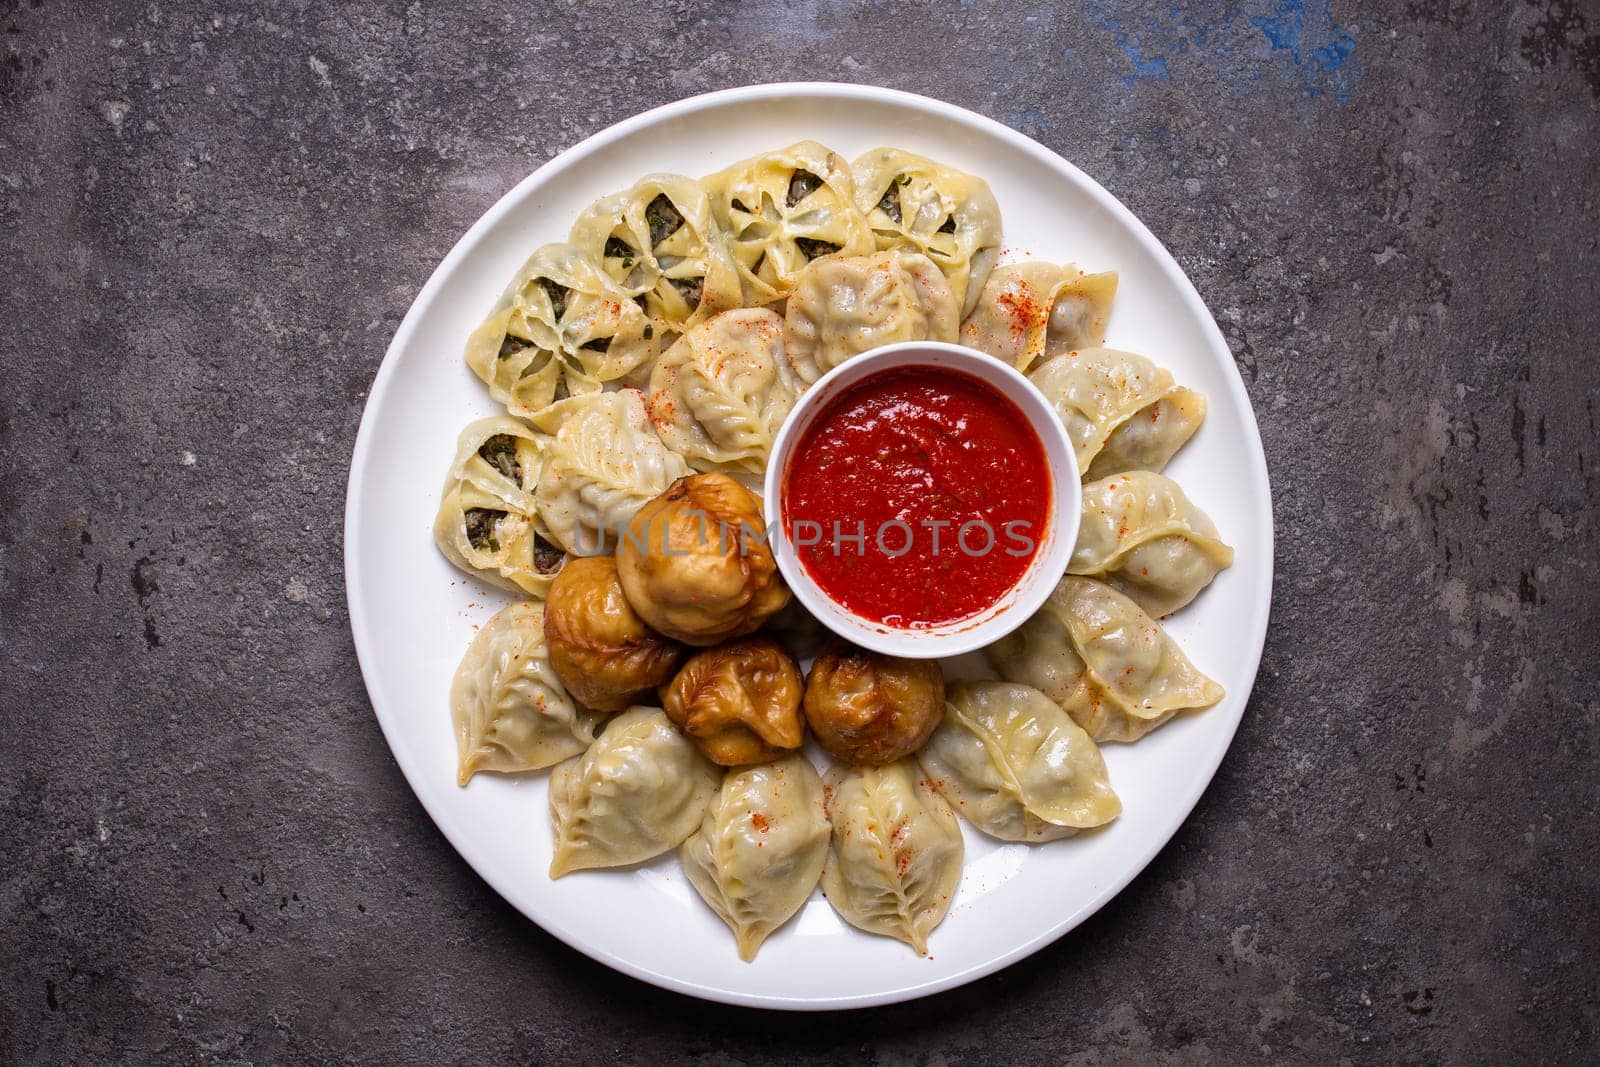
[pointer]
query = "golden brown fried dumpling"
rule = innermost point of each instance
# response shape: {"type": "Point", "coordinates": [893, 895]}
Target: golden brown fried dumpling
{"type": "Point", "coordinates": [695, 563]}
{"type": "Point", "coordinates": [866, 707]}
{"type": "Point", "coordinates": [659, 243]}
{"type": "Point", "coordinates": [949, 216]}
{"type": "Point", "coordinates": [509, 708]}
{"type": "Point", "coordinates": [739, 702]}
{"type": "Point", "coordinates": [784, 209]}
{"type": "Point", "coordinates": [604, 654]}
{"type": "Point", "coordinates": [895, 859]}
{"type": "Point", "coordinates": [759, 852]}
{"type": "Point", "coordinates": [1034, 310]}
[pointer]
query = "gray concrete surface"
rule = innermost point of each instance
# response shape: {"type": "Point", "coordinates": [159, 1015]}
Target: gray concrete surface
{"type": "Point", "coordinates": [213, 215]}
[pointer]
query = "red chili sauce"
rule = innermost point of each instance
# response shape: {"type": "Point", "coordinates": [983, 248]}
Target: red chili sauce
{"type": "Point", "coordinates": [909, 459]}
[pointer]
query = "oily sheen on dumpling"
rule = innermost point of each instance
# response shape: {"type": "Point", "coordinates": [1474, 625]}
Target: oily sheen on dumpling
{"type": "Point", "coordinates": [1016, 765]}
{"type": "Point", "coordinates": [784, 209]}
{"type": "Point", "coordinates": [1096, 392]}
{"type": "Point", "coordinates": [1152, 437]}
{"type": "Point", "coordinates": [603, 463]}
{"type": "Point", "coordinates": [1035, 310]}
{"type": "Point", "coordinates": [487, 522]}
{"type": "Point", "coordinates": [562, 327]}
{"type": "Point", "coordinates": [1105, 661]}
{"type": "Point", "coordinates": [638, 791]}
{"type": "Point", "coordinates": [949, 216]}
{"type": "Point", "coordinates": [719, 394]}
{"type": "Point", "coordinates": [759, 851]}
{"type": "Point", "coordinates": [894, 861]}
{"type": "Point", "coordinates": [1141, 535]}
{"type": "Point", "coordinates": [658, 242]}
{"type": "Point", "coordinates": [509, 709]}
{"type": "Point", "coordinates": [845, 305]}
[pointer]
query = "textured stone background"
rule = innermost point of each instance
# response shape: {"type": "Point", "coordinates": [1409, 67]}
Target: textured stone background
{"type": "Point", "coordinates": [212, 217]}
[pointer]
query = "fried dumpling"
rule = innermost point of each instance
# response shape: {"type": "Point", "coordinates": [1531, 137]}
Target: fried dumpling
{"type": "Point", "coordinates": [602, 464]}
{"type": "Point", "coordinates": [510, 712]}
{"type": "Point", "coordinates": [487, 522]}
{"type": "Point", "coordinates": [638, 791]}
{"type": "Point", "coordinates": [1016, 765]}
{"type": "Point", "coordinates": [784, 209]}
{"type": "Point", "coordinates": [659, 243]}
{"type": "Point", "coordinates": [1104, 661]}
{"type": "Point", "coordinates": [1034, 310]}
{"type": "Point", "coordinates": [739, 701]}
{"type": "Point", "coordinates": [949, 216]}
{"type": "Point", "coordinates": [1141, 535]}
{"type": "Point", "coordinates": [696, 565]}
{"type": "Point", "coordinates": [868, 707]}
{"type": "Point", "coordinates": [719, 394]}
{"type": "Point", "coordinates": [1098, 391]}
{"type": "Point", "coordinates": [845, 305]}
{"type": "Point", "coordinates": [759, 852]}
{"type": "Point", "coordinates": [604, 654]}
{"type": "Point", "coordinates": [895, 858]}
{"type": "Point", "coordinates": [562, 327]}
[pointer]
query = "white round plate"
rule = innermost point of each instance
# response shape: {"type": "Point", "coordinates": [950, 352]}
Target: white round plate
{"type": "Point", "coordinates": [413, 613]}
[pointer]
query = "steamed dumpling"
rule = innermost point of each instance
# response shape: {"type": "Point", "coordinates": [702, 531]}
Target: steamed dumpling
{"type": "Point", "coordinates": [603, 464]}
{"type": "Point", "coordinates": [562, 327]}
{"type": "Point", "coordinates": [1016, 766]}
{"type": "Point", "coordinates": [1096, 392]}
{"type": "Point", "coordinates": [783, 209]}
{"type": "Point", "coordinates": [895, 859]}
{"type": "Point", "coordinates": [487, 522]}
{"type": "Point", "coordinates": [1104, 661]}
{"type": "Point", "coordinates": [1034, 310]}
{"type": "Point", "coordinates": [658, 242]}
{"type": "Point", "coordinates": [1141, 535]}
{"type": "Point", "coordinates": [719, 394]}
{"type": "Point", "coordinates": [1152, 437]}
{"type": "Point", "coordinates": [509, 709]}
{"type": "Point", "coordinates": [845, 305]}
{"type": "Point", "coordinates": [947, 215]}
{"type": "Point", "coordinates": [638, 791]}
{"type": "Point", "coordinates": [759, 852]}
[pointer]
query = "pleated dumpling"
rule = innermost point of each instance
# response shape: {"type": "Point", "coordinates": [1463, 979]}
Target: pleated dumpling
{"type": "Point", "coordinates": [1098, 391]}
{"type": "Point", "coordinates": [659, 243]}
{"type": "Point", "coordinates": [719, 394]}
{"type": "Point", "coordinates": [895, 857]}
{"type": "Point", "coordinates": [759, 852]}
{"type": "Point", "coordinates": [844, 305]}
{"type": "Point", "coordinates": [638, 791]}
{"type": "Point", "coordinates": [1104, 661]}
{"type": "Point", "coordinates": [1152, 437]}
{"type": "Point", "coordinates": [1034, 310]}
{"type": "Point", "coordinates": [949, 216]}
{"type": "Point", "coordinates": [1016, 765]}
{"type": "Point", "coordinates": [1140, 534]}
{"type": "Point", "coordinates": [602, 464]}
{"type": "Point", "coordinates": [510, 712]}
{"type": "Point", "coordinates": [780, 210]}
{"type": "Point", "coordinates": [487, 522]}
{"type": "Point", "coordinates": [562, 327]}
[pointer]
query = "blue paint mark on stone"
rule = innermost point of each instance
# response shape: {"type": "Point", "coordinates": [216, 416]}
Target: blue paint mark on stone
{"type": "Point", "coordinates": [1317, 45]}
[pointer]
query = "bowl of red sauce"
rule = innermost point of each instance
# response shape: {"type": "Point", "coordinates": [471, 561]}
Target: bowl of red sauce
{"type": "Point", "coordinates": [923, 499]}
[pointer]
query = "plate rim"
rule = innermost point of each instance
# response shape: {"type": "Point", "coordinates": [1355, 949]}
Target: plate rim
{"type": "Point", "coordinates": [362, 632]}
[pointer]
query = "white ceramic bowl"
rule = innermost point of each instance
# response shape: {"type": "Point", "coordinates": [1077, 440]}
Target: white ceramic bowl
{"type": "Point", "coordinates": [1049, 560]}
